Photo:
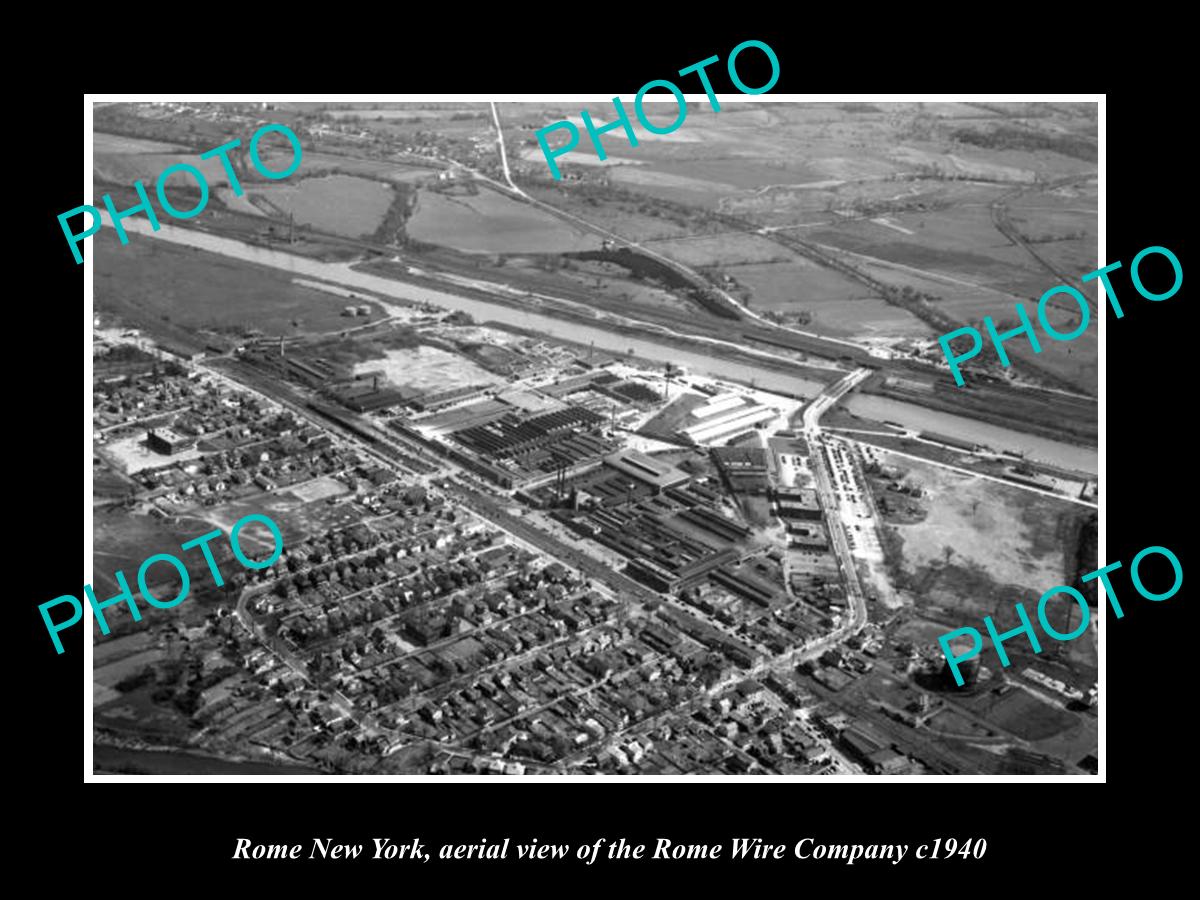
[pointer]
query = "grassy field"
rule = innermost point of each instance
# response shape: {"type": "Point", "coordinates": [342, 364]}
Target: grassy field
{"type": "Point", "coordinates": [173, 290]}
{"type": "Point", "coordinates": [837, 305]}
{"type": "Point", "coordinates": [122, 540]}
{"type": "Point", "coordinates": [489, 222]}
{"type": "Point", "coordinates": [315, 162]}
{"type": "Point", "coordinates": [957, 244]}
{"type": "Point", "coordinates": [341, 204]}
{"type": "Point", "coordinates": [1025, 716]}
{"type": "Point", "coordinates": [115, 143]}
{"type": "Point", "coordinates": [629, 216]}
{"type": "Point", "coordinates": [721, 250]}
{"type": "Point", "coordinates": [137, 713]}
{"type": "Point", "coordinates": [123, 160]}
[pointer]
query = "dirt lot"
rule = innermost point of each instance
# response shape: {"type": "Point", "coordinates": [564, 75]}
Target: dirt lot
{"type": "Point", "coordinates": [427, 369]}
{"type": "Point", "coordinates": [983, 545]}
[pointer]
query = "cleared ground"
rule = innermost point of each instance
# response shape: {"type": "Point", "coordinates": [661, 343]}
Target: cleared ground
{"type": "Point", "coordinates": [428, 369]}
{"type": "Point", "coordinates": [318, 489]}
{"type": "Point", "coordinates": [982, 546]}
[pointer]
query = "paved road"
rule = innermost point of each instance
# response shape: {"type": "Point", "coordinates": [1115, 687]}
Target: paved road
{"type": "Point", "coordinates": [503, 152]}
{"type": "Point", "coordinates": [829, 503]}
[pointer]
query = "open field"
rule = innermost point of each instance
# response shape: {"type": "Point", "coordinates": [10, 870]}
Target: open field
{"type": "Point", "coordinates": [315, 162]}
{"type": "Point", "coordinates": [113, 673]}
{"type": "Point", "coordinates": [126, 168]}
{"type": "Point", "coordinates": [722, 250]}
{"type": "Point", "coordinates": [951, 242]}
{"type": "Point", "coordinates": [342, 204]}
{"type": "Point", "coordinates": [489, 222]}
{"type": "Point", "coordinates": [176, 291]}
{"type": "Point", "coordinates": [1026, 716]}
{"type": "Point", "coordinates": [122, 540]}
{"type": "Point", "coordinates": [137, 713]}
{"type": "Point", "coordinates": [837, 305]}
{"type": "Point", "coordinates": [116, 143]}
{"type": "Point", "coordinates": [630, 216]}
{"type": "Point", "coordinates": [124, 160]}
{"type": "Point", "coordinates": [107, 485]}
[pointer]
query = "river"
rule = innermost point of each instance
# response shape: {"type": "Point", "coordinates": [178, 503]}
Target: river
{"type": "Point", "coordinates": [907, 414]}
{"type": "Point", "coordinates": [1056, 453]}
{"type": "Point", "coordinates": [181, 762]}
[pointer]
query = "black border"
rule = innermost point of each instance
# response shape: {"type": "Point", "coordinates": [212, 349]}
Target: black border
{"type": "Point", "coordinates": [1147, 474]}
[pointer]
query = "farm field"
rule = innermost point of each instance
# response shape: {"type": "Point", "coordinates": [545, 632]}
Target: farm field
{"type": "Point", "coordinates": [341, 204]}
{"type": "Point", "coordinates": [117, 143]}
{"type": "Point", "coordinates": [1061, 225]}
{"type": "Point", "coordinates": [670, 186]}
{"type": "Point", "coordinates": [721, 250]}
{"type": "Point", "coordinates": [798, 282]}
{"type": "Point", "coordinates": [316, 162]}
{"type": "Point", "coordinates": [125, 168]}
{"type": "Point", "coordinates": [961, 243]}
{"type": "Point", "coordinates": [410, 112]}
{"type": "Point", "coordinates": [488, 222]}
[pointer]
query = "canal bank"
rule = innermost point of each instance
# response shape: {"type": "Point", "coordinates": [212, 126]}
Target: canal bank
{"type": "Point", "coordinates": [908, 415]}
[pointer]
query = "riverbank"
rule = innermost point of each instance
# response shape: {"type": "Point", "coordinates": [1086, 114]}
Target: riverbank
{"type": "Point", "coordinates": [604, 336]}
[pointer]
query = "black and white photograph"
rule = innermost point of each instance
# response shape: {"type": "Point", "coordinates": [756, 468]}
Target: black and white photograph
{"type": "Point", "coordinates": [636, 438]}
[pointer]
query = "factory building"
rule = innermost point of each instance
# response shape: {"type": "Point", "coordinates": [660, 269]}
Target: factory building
{"type": "Point", "coordinates": [167, 441]}
{"type": "Point", "coordinates": [799, 504]}
{"type": "Point", "coordinates": [724, 417]}
{"type": "Point", "coordinates": [646, 469]}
